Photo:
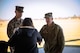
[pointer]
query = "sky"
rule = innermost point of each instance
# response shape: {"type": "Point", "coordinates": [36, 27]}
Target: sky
{"type": "Point", "coordinates": [37, 8]}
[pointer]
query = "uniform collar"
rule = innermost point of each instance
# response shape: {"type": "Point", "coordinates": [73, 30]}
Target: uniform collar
{"type": "Point", "coordinates": [51, 25]}
{"type": "Point", "coordinates": [17, 19]}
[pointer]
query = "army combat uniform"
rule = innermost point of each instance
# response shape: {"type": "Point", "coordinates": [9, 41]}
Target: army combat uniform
{"type": "Point", "coordinates": [53, 37]}
{"type": "Point", "coordinates": [14, 23]}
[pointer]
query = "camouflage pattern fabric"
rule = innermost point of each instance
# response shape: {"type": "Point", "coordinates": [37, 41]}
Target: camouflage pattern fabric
{"type": "Point", "coordinates": [14, 23]}
{"type": "Point", "coordinates": [53, 37]}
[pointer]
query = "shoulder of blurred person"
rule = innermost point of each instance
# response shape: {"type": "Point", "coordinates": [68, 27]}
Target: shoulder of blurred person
{"type": "Point", "coordinates": [3, 46]}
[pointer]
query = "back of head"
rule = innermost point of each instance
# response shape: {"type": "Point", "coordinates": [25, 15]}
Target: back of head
{"type": "Point", "coordinates": [27, 22]}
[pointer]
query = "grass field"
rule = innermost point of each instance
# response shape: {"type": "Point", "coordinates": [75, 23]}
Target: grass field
{"type": "Point", "coordinates": [71, 29]}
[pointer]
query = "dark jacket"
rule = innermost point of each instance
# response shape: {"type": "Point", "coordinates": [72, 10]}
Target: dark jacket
{"type": "Point", "coordinates": [25, 40]}
{"type": "Point", "coordinates": [3, 47]}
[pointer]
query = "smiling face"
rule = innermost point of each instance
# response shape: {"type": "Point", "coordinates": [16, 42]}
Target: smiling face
{"type": "Point", "coordinates": [49, 20]}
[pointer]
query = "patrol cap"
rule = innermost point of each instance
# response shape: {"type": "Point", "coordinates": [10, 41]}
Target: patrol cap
{"type": "Point", "coordinates": [48, 15]}
{"type": "Point", "coordinates": [19, 8]}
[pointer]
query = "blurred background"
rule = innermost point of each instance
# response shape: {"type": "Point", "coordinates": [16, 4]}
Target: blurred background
{"type": "Point", "coordinates": [66, 13]}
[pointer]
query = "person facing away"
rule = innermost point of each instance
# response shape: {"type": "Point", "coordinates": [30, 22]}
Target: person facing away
{"type": "Point", "coordinates": [25, 38]}
{"type": "Point", "coordinates": [15, 22]}
{"type": "Point", "coordinates": [53, 35]}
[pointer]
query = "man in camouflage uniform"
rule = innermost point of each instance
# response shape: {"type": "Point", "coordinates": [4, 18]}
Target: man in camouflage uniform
{"type": "Point", "coordinates": [15, 22]}
{"type": "Point", "coordinates": [53, 35]}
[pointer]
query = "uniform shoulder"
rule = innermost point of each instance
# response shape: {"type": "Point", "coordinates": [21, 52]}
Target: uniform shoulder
{"type": "Point", "coordinates": [12, 20]}
{"type": "Point", "coordinates": [58, 26]}
{"type": "Point", "coordinates": [44, 25]}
